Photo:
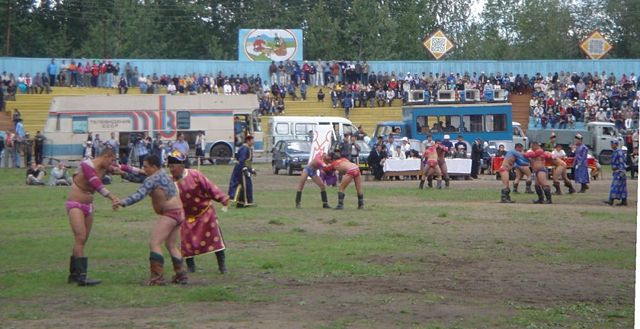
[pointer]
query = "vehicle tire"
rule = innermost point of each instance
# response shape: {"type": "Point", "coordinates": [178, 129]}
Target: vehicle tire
{"type": "Point", "coordinates": [289, 170]}
{"type": "Point", "coordinates": [221, 154]}
{"type": "Point", "coordinates": [605, 157]}
{"type": "Point", "coordinates": [274, 167]}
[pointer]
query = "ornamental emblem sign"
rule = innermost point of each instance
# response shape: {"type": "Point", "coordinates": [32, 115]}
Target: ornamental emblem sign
{"type": "Point", "coordinates": [595, 45]}
{"type": "Point", "coordinates": [438, 44]}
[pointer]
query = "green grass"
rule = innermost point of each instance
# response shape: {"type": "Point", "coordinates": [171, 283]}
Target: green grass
{"type": "Point", "coordinates": [409, 252]}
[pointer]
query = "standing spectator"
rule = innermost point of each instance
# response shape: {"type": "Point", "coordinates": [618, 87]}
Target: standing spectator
{"type": "Point", "coordinates": [27, 151]}
{"type": "Point", "coordinates": [477, 150]}
{"type": "Point", "coordinates": [347, 104]}
{"type": "Point", "coordinates": [183, 146]}
{"type": "Point", "coordinates": [303, 90]}
{"type": "Point", "coordinates": [240, 184]}
{"type": "Point", "coordinates": [18, 139]}
{"type": "Point", "coordinates": [52, 71]}
{"type": "Point", "coordinates": [8, 150]}
{"type": "Point", "coordinates": [201, 143]}
{"type": "Point", "coordinates": [113, 143]}
{"type": "Point", "coordinates": [1, 151]}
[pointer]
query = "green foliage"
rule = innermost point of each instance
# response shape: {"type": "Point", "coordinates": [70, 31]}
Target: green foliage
{"type": "Point", "coordinates": [333, 29]}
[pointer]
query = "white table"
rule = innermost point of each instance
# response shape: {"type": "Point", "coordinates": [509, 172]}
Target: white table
{"type": "Point", "coordinates": [401, 165]}
{"type": "Point", "coordinates": [458, 166]}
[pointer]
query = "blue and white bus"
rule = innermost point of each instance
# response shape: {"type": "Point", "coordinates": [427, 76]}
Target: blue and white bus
{"type": "Point", "coordinates": [487, 121]}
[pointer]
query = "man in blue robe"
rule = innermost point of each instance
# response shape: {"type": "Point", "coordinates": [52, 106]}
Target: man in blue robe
{"type": "Point", "coordinates": [240, 186]}
{"type": "Point", "coordinates": [619, 181]}
{"type": "Point", "coordinates": [580, 167]}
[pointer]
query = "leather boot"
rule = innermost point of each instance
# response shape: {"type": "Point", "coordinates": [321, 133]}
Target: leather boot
{"type": "Point", "coordinates": [504, 196]}
{"type": "Point", "coordinates": [623, 202]}
{"type": "Point", "coordinates": [360, 201]}
{"type": "Point", "coordinates": [547, 194]}
{"type": "Point", "coordinates": [570, 186]}
{"type": "Point", "coordinates": [515, 187]}
{"type": "Point", "coordinates": [421, 186]}
{"type": "Point", "coordinates": [609, 202]}
{"type": "Point", "coordinates": [430, 181]}
{"type": "Point", "coordinates": [73, 274]}
{"type": "Point", "coordinates": [540, 195]}
{"type": "Point", "coordinates": [222, 267]}
{"type": "Point", "coordinates": [156, 269]}
{"type": "Point", "coordinates": [528, 188]}
{"type": "Point", "coordinates": [340, 205]}
{"type": "Point", "coordinates": [558, 191]}
{"type": "Point", "coordinates": [81, 278]}
{"type": "Point", "coordinates": [439, 185]}
{"type": "Point", "coordinates": [298, 199]}
{"type": "Point", "coordinates": [191, 264]}
{"type": "Point", "coordinates": [181, 275]}
{"type": "Point", "coordinates": [446, 181]}
{"type": "Point", "coordinates": [325, 200]}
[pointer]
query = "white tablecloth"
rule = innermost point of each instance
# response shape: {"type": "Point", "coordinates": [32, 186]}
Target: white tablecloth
{"type": "Point", "coordinates": [459, 166]}
{"type": "Point", "coordinates": [401, 165]}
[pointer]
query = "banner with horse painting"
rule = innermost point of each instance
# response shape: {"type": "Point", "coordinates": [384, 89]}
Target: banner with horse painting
{"type": "Point", "coordinates": [269, 45]}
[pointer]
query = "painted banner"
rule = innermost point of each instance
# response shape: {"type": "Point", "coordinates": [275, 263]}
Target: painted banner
{"type": "Point", "coordinates": [322, 137]}
{"type": "Point", "coordinates": [106, 124]}
{"type": "Point", "coordinates": [438, 44]}
{"type": "Point", "coordinates": [269, 45]}
{"type": "Point", "coordinates": [595, 45]}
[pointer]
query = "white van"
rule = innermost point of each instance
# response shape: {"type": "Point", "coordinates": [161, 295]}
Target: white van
{"type": "Point", "coordinates": [298, 127]}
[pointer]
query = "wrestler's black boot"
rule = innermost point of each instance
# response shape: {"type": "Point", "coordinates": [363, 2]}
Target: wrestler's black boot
{"type": "Point", "coordinates": [439, 185]}
{"type": "Point", "coordinates": [298, 198]}
{"type": "Point", "coordinates": [504, 196]}
{"type": "Point", "coordinates": [222, 267]}
{"type": "Point", "coordinates": [73, 274]}
{"type": "Point", "coordinates": [528, 188]}
{"type": "Point", "coordinates": [556, 185]}
{"type": "Point", "coordinates": [421, 186]}
{"type": "Point", "coordinates": [181, 275]}
{"type": "Point", "coordinates": [81, 270]}
{"type": "Point", "coordinates": [609, 202]}
{"type": "Point", "coordinates": [360, 201]}
{"type": "Point", "coordinates": [583, 188]}
{"type": "Point", "coordinates": [570, 186]}
{"type": "Point", "coordinates": [430, 181]}
{"type": "Point", "coordinates": [623, 202]}
{"type": "Point", "coordinates": [547, 194]}
{"type": "Point", "coordinates": [191, 264]}
{"type": "Point", "coordinates": [325, 200]}
{"type": "Point", "coordinates": [340, 205]}
{"type": "Point", "coordinates": [446, 181]}
{"type": "Point", "coordinates": [540, 195]}
{"type": "Point", "coordinates": [515, 187]}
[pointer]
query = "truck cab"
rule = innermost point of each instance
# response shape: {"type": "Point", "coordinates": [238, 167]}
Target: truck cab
{"type": "Point", "coordinates": [398, 128]}
{"type": "Point", "coordinates": [519, 135]}
{"type": "Point", "coordinates": [601, 134]}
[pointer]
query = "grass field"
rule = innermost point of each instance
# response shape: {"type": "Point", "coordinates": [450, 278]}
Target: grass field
{"type": "Point", "coordinates": [453, 258]}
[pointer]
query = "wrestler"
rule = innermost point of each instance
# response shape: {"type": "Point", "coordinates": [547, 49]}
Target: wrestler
{"type": "Point", "coordinates": [166, 203]}
{"type": "Point", "coordinates": [537, 157]}
{"type": "Point", "coordinates": [86, 181]}
{"type": "Point", "coordinates": [510, 160]}
{"type": "Point", "coordinates": [431, 167]}
{"type": "Point", "coordinates": [311, 170]}
{"type": "Point", "coordinates": [522, 169]}
{"type": "Point", "coordinates": [351, 172]}
{"type": "Point", "coordinates": [560, 171]}
{"type": "Point", "coordinates": [200, 233]}
{"type": "Point", "coordinates": [442, 163]}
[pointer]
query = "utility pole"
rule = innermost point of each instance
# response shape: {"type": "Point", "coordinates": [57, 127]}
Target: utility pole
{"type": "Point", "coordinates": [7, 39]}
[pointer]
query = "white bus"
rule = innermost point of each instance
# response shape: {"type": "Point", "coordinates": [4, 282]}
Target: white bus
{"type": "Point", "coordinates": [225, 121]}
{"type": "Point", "coordinates": [298, 127]}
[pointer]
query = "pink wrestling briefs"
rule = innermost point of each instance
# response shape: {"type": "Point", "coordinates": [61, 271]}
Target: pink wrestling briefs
{"type": "Point", "coordinates": [176, 214]}
{"type": "Point", "coordinates": [432, 163]}
{"type": "Point", "coordinates": [355, 172]}
{"type": "Point", "coordinates": [87, 209]}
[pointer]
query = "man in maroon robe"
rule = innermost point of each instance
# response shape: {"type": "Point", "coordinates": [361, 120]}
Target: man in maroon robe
{"type": "Point", "coordinates": [200, 232]}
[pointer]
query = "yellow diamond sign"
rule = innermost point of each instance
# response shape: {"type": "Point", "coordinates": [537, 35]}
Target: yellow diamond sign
{"type": "Point", "coordinates": [438, 44]}
{"type": "Point", "coordinates": [595, 45]}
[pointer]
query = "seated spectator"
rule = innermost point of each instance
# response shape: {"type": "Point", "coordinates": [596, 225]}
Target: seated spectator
{"type": "Point", "coordinates": [558, 152]}
{"type": "Point", "coordinates": [320, 96]}
{"type": "Point", "coordinates": [501, 151]}
{"type": "Point", "coordinates": [59, 176]}
{"type": "Point", "coordinates": [35, 174]}
{"type": "Point", "coordinates": [633, 163]}
{"type": "Point", "coordinates": [123, 88]}
{"type": "Point", "coordinates": [171, 88]}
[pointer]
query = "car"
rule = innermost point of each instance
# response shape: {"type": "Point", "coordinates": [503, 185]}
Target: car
{"type": "Point", "coordinates": [290, 155]}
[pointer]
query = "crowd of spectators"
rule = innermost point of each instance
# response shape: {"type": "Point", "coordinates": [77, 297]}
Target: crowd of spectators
{"type": "Point", "coordinates": [561, 100]}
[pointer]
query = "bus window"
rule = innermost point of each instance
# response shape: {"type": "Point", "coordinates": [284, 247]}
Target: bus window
{"type": "Point", "coordinates": [495, 122]}
{"type": "Point", "coordinates": [451, 123]}
{"type": "Point", "coordinates": [349, 129]}
{"type": "Point", "coordinates": [80, 125]}
{"type": "Point", "coordinates": [183, 119]}
{"type": "Point", "coordinates": [471, 123]}
{"type": "Point", "coordinates": [302, 129]}
{"type": "Point", "coordinates": [282, 128]}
